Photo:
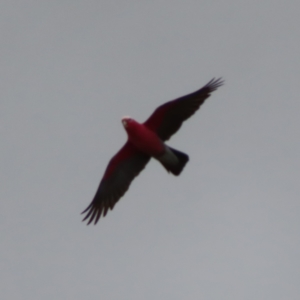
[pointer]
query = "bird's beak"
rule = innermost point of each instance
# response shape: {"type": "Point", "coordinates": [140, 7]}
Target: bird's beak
{"type": "Point", "coordinates": [124, 122]}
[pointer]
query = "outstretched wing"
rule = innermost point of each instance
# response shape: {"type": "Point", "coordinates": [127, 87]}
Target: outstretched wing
{"type": "Point", "coordinates": [121, 170]}
{"type": "Point", "coordinates": [168, 118]}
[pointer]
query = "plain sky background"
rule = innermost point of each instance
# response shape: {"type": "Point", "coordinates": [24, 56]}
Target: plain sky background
{"type": "Point", "coordinates": [228, 227]}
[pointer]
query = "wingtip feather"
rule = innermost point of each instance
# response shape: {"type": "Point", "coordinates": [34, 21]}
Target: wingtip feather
{"type": "Point", "coordinates": [214, 83]}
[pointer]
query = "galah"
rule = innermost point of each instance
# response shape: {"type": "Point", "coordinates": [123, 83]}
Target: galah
{"type": "Point", "coordinates": [146, 140]}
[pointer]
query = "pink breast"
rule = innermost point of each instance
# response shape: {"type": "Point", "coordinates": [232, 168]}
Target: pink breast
{"type": "Point", "coordinates": [145, 140]}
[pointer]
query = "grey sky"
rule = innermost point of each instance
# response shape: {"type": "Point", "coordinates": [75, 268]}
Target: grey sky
{"type": "Point", "coordinates": [228, 227]}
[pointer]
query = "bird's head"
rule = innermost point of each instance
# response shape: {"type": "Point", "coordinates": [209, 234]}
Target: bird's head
{"type": "Point", "coordinates": [126, 121]}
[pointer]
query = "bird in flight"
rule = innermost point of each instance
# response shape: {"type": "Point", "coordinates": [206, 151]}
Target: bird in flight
{"type": "Point", "coordinates": [146, 140]}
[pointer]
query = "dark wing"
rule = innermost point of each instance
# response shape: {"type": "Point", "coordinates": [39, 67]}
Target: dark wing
{"type": "Point", "coordinates": [121, 170]}
{"type": "Point", "coordinates": [167, 118]}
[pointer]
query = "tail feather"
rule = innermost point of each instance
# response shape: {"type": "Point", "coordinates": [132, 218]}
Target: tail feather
{"type": "Point", "coordinates": [173, 160]}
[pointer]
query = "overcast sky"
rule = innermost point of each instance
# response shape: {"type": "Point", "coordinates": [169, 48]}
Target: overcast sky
{"type": "Point", "coordinates": [228, 227]}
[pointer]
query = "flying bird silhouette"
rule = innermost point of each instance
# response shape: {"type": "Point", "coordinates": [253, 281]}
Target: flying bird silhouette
{"type": "Point", "coordinates": [144, 141]}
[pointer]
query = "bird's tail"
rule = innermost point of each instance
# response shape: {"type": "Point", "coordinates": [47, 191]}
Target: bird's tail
{"type": "Point", "coordinates": [173, 160]}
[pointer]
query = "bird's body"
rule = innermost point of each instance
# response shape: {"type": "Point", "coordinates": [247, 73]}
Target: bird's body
{"type": "Point", "coordinates": [146, 141]}
{"type": "Point", "coordinates": [143, 138]}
